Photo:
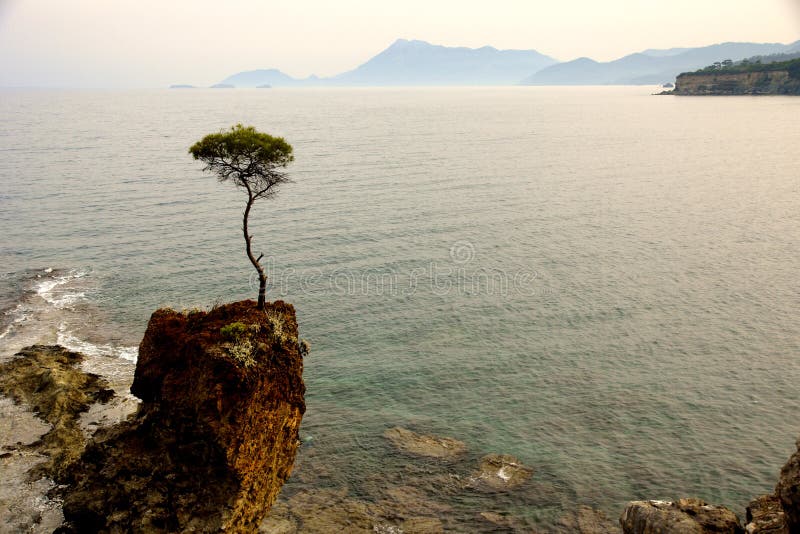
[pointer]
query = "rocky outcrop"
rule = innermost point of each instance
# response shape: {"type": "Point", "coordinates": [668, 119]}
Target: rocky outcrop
{"type": "Point", "coordinates": [422, 445]}
{"type": "Point", "coordinates": [746, 83]}
{"type": "Point", "coordinates": [788, 491]}
{"type": "Point", "coordinates": [765, 516]}
{"type": "Point", "coordinates": [216, 433]}
{"type": "Point", "coordinates": [685, 516]}
{"type": "Point", "coordinates": [50, 381]}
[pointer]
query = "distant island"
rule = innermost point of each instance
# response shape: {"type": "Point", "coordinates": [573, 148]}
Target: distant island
{"type": "Point", "coordinates": [182, 86]}
{"type": "Point", "coordinates": [223, 86]}
{"type": "Point", "coordinates": [746, 77]}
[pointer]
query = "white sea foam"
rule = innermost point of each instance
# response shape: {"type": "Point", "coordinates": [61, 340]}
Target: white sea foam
{"type": "Point", "coordinates": [503, 474]}
{"type": "Point", "coordinates": [69, 340]}
{"type": "Point", "coordinates": [52, 291]}
{"type": "Point", "coordinates": [19, 314]}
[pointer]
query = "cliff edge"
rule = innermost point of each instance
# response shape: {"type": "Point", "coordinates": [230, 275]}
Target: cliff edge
{"type": "Point", "coordinates": [780, 78]}
{"type": "Point", "coordinates": [215, 436]}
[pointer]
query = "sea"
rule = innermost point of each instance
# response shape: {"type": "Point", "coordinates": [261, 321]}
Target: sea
{"type": "Point", "coordinates": [598, 281]}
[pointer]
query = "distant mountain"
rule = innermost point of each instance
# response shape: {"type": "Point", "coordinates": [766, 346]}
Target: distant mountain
{"type": "Point", "coordinates": [650, 66]}
{"type": "Point", "coordinates": [420, 63]}
{"type": "Point", "coordinates": [417, 63]}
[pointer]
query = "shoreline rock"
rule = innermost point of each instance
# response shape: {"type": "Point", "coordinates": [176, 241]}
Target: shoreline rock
{"type": "Point", "coordinates": [215, 436]}
{"type": "Point", "coordinates": [685, 516]}
{"type": "Point", "coordinates": [48, 378]}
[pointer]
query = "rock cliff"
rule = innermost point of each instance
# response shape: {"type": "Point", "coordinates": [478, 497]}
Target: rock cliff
{"type": "Point", "coordinates": [216, 433]}
{"type": "Point", "coordinates": [746, 83]}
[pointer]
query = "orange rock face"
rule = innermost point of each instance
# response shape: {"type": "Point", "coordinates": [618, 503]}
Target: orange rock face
{"type": "Point", "coordinates": [216, 434]}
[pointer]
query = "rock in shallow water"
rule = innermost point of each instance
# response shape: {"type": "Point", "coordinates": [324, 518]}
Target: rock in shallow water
{"type": "Point", "coordinates": [421, 445]}
{"type": "Point", "coordinates": [215, 436]}
{"type": "Point", "coordinates": [501, 472]}
{"type": "Point", "coordinates": [586, 520]}
{"type": "Point", "coordinates": [685, 516]}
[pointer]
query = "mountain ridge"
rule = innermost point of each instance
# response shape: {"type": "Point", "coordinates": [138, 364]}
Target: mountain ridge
{"type": "Point", "coordinates": [413, 62]}
{"type": "Point", "coordinates": [416, 62]}
{"type": "Point", "coordinates": [650, 66]}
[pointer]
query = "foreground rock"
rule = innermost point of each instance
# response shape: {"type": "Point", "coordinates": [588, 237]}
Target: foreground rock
{"type": "Point", "coordinates": [421, 445]}
{"type": "Point", "coordinates": [788, 491]}
{"type": "Point", "coordinates": [686, 516]}
{"type": "Point", "coordinates": [49, 380]}
{"type": "Point", "coordinates": [215, 436]}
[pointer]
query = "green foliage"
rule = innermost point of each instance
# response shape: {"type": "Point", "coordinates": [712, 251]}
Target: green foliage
{"type": "Point", "coordinates": [239, 342]}
{"type": "Point", "coordinates": [794, 70]}
{"type": "Point", "coordinates": [242, 153]}
{"type": "Point", "coordinates": [233, 331]}
{"type": "Point", "coordinates": [745, 66]}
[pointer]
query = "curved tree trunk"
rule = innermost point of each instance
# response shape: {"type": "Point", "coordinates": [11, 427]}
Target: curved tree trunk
{"type": "Point", "coordinates": [262, 276]}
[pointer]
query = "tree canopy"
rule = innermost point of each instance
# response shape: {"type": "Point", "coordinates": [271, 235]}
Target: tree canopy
{"type": "Point", "coordinates": [250, 159]}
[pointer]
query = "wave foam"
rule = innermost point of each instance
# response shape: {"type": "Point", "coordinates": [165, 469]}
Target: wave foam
{"type": "Point", "coordinates": [63, 298]}
{"type": "Point", "coordinates": [70, 341]}
{"type": "Point", "coordinates": [20, 314]}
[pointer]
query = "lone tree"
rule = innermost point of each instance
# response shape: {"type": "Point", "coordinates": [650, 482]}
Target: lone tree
{"type": "Point", "coordinates": [253, 161]}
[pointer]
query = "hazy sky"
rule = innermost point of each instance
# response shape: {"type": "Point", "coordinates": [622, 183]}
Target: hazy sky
{"type": "Point", "coordinates": [154, 43]}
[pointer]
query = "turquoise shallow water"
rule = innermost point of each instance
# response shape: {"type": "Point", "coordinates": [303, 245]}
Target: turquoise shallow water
{"type": "Point", "coordinates": [598, 281]}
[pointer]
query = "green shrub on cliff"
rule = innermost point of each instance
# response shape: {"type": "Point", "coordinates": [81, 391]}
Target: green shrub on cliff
{"type": "Point", "coordinates": [233, 331]}
{"type": "Point", "coordinates": [239, 342]}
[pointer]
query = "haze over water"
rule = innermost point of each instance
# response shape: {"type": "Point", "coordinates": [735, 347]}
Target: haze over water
{"type": "Point", "coordinates": [600, 282]}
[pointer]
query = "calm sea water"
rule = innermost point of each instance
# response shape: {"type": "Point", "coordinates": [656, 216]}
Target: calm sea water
{"type": "Point", "coordinates": [600, 282]}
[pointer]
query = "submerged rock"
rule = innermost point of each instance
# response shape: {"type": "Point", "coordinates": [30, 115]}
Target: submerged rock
{"type": "Point", "coordinates": [788, 491]}
{"type": "Point", "coordinates": [685, 516]}
{"type": "Point", "coordinates": [765, 516]}
{"type": "Point", "coordinates": [586, 520]}
{"type": "Point", "coordinates": [501, 472]}
{"type": "Point", "coordinates": [322, 511]}
{"type": "Point", "coordinates": [505, 523]}
{"type": "Point", "coordinates": [421, 445]}
{"type": "Point", "coordinates": [215, 436]}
